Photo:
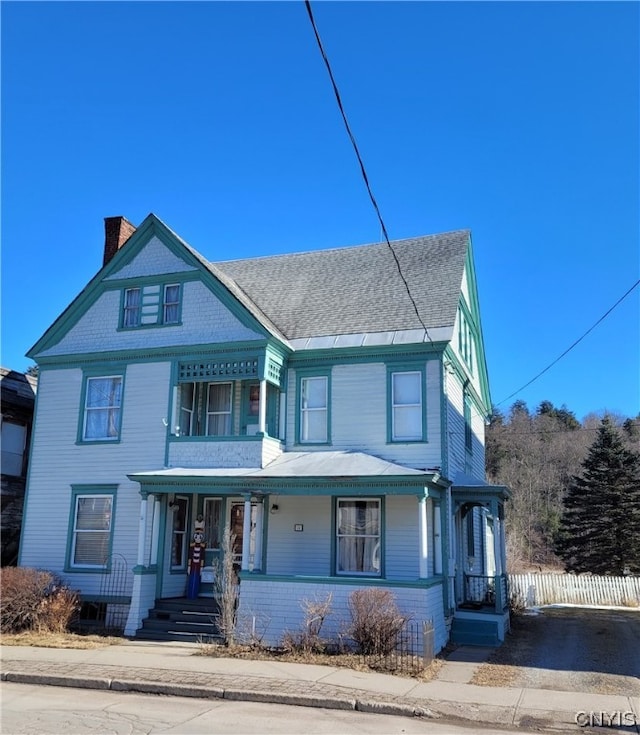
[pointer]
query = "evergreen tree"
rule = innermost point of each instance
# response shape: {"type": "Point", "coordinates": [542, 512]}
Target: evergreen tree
{"type": "Point", "coordinates": [600, 527]}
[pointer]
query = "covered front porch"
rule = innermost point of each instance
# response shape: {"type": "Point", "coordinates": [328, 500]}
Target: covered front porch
{"type": "Point", "coordinates": [479, 580]}
{"type": "Point", "coordinates": [309, 523]}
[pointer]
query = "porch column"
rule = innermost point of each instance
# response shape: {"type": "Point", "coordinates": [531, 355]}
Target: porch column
{"type": "Point", "coordinates": [497, 553]}
{"type": "Point", "coordinates": [246, 534]}
{"type": "Point", "coordinates": [437, 539]}
{"type": "Point", "coordinates": [262, 409]}
{"type": "Point", "coordinates": [142, 528]}
{"type": "Point", "coordinates": [257, 559]}
{"type": "Point", "coordinates": [423, 536]}
{"type": "Point", "coordinates": [155, 530]}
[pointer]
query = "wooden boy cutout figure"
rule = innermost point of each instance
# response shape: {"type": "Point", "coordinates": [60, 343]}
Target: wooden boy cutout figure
{"type": "Point", "coordinates": [196, 561]}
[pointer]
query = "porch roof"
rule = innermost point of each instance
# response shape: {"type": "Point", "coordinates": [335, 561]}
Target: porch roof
{"type": "Point", "coordinates": [465, 487]}
{"type": "Point", "coordinates": [290, 468]}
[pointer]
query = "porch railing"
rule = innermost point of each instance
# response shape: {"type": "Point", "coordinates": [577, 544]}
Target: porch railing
{"type": "Point", "coordinates": [486, 591]}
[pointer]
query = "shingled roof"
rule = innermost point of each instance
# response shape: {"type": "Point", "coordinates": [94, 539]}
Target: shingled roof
{"type": "Point", "coordinates": [357, 289]}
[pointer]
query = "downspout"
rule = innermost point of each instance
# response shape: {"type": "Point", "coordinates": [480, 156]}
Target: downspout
{"type": "Point", "coordinates": [447, 530]}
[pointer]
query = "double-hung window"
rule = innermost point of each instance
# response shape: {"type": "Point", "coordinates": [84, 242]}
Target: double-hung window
{"type": "Point", "coordinates": [171, 304]}
{"type": "Point", "coordinates": [91, 528]}
{"type": "Point", "coordinates": [219, 409]}
{"type": "Point", "coordinates": [151, 305]}
{"type": "Point", "coordinates": [314, 409]}
{"type": "Point", "coordinates": [358, 536]}
{"type": "Point", "coordinates": [407, 414]}
{"type": "Point", "coordinates": [132, 307]}
{"type": "Point", "coordinates": [102, 408]}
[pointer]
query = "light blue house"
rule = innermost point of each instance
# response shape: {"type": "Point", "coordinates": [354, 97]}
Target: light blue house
{"type": "Point", "coordinates": [298, 400]}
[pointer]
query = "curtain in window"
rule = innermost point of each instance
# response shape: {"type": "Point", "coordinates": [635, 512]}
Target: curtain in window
{"type": "Point", "coordinates": [92, 530]}
{"type": "Point", "coordinates": [132, 303]}
{"type": "Point", "coordinates": [102, 413]}
{"type": "Point", "coordinates": [171, 302]}
{"type": "Point", "coordinates": [359, 536]}
{"type": "Point", "coordinates": [219, 409]}
{"type": "Point", "coordinates": [313, 409]}
{"type": "Point", "coordinates": [407, 405]}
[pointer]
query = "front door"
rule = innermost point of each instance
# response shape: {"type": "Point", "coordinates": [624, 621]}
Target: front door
{"type": "Point", "coordinates": [236, 527]}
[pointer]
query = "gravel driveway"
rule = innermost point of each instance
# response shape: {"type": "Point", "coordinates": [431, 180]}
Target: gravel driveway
{"type": "Point", "coordinates": [569, 649]}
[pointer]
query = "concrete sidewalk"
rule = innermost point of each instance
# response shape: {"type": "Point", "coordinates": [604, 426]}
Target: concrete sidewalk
{"type": "Point", "coordinates": [175, 669]}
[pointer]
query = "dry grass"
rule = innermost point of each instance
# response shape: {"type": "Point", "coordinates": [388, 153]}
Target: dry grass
{"type": "Point", "coordinates": [58, 640]}
{"type": "Point", "coordinates": [336, 660]}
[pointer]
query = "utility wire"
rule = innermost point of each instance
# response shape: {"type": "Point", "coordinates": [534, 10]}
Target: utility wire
{"type": "Point", "coordinates": [362, 168]}
{"type": "Point", "coordinates": [542, 372]}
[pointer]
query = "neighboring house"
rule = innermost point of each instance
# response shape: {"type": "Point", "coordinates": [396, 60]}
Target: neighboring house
{"type": "Point", "coordinates": [298, 401]}
{"type": "Point", "coordinates": [18, 398]}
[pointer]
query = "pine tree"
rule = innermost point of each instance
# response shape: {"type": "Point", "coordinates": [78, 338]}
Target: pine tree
{"type": "Point", "coordinates": [600, 527]}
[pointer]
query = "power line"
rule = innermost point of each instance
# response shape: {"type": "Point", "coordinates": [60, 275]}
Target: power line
{"type": "Point", "coordinates": [362, 168]}
{"type": "Point", "coordinates": [542, 372]}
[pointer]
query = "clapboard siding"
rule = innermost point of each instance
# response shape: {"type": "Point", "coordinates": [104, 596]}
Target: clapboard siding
{"type": "Point", "coordinates": [58, 462]}
{"type": "Point", "coordinates": [401, 538]}
{"type": "Point", "coordinates": [306, 552]}
{"type": "Point", "coordinates": [359, 415]}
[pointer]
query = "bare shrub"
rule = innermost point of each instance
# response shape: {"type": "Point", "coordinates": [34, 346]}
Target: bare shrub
{"type": "Point", "coordinates": [225, 584]}
{"type": "Point", "coordinates": [251, 628]}
{"type": "Point", "coordinates": [376, 620]}
{"type": "Point", "coordinates": [35, 600]}
{"type": "Point", "coordinates": [308, 639]}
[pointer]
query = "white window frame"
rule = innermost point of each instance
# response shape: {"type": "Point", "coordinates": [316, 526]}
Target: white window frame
{"type": "Point", "coordinates": [307, 411]}
{"type": "Point", "coordinates": [375, 538]}
{"type": "Point", "coordinates": [113, 410]}
{"type": "Point", "coordinates": [227, 411]}
{"type": "Point", "coordinates": [417, 407]}
{"type": "Point", "coordinates": [167, 305]}
{"type": "Point", "coordinates": [132, 314]}
{"type": "Point", "coordinates": [104, 532]}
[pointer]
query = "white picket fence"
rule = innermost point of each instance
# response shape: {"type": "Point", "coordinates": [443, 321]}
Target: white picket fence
{"type": "Point", "coordinates": [549, 589]}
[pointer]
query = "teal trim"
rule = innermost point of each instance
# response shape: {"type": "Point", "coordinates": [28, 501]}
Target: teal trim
{"type": "Point", "coordinates": [104, 371]}
{"type": "Point", "coordinates": [392, 369]}
{"type": "Point", "coordinates": [218, 439]}
{"type": "Point", "coordinates": [476, 322]}
{"type": "Point", "coordinates": [149, 228]}
{"type": "Point", "coordinates": [444, 424]}
{"type": "Point", "coordinates": [343, 580]}
{"type": "Point", "coordinates": [334, 535]}
{"type": "Point", "coordinates": [227, 485]}
{"type": "Point", "coordinates": [303, 374]}
{"type": "Point", "coordinates": [108, 599]}
{"type": "Point", "coordinates": [140, 569]}
{"type": "Point", "coordinates": [178, 277]}
{"type": "Point", "coordinates": [183, 353]}
{"type": "Point", "coordinates": [304, 359]}
{"type": "Point", "coordinates": [188, 521]}
{"type": "Point", "coordinates": [79, 491]}
{"type": "Point", "coordinates": [162, 283]}
{"type": "Point", "coordinates": [459, 371]}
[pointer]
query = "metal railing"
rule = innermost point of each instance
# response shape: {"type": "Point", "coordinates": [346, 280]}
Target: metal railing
{"type": "Point", "coordinates": [409, 652]}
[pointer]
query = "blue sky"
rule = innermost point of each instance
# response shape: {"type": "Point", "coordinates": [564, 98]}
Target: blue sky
{"type": "Point", "coordinates": [517, 120]}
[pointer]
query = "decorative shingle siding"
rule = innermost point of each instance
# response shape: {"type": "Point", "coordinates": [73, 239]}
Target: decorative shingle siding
{"type": "Point", "coordinates": [204, 320]}
{"type": "Point", "coordinates": [155, 259]}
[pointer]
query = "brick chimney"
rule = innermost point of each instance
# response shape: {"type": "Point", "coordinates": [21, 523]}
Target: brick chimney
{"type": "Point", "coordinates": [117, 230]}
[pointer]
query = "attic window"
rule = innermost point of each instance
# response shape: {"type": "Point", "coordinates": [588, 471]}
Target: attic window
{"type": "Point", "coordinates": [151, 306]}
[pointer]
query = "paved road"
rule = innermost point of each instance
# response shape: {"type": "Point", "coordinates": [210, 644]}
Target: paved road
{"type": "Point", "coordinates": [570, 649]}
{"type": "Point", "coordinates": [42, 710]}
